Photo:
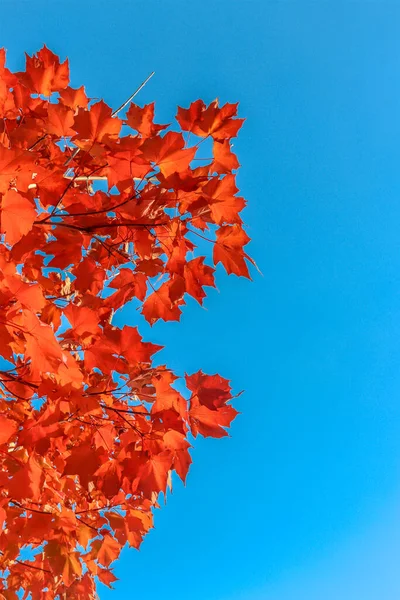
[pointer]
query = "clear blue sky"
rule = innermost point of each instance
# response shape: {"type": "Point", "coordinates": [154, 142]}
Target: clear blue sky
{"type": "Point", "coordinates": [303, 501]}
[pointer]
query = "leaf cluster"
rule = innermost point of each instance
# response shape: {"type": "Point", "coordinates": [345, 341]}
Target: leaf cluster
{"type": "Point", "coordinates": [96, 211]}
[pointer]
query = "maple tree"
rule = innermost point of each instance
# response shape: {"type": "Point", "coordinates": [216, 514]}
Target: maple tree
{"type": "Point", "coordinates": [90, 219]}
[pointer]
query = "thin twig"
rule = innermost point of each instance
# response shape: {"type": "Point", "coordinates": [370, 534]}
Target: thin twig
{"type": "Point", "coordinates": [35, 510]}
{"type": "Point", "coordinates": [108, 507]}
{"type": "Point", "coordinates": [26, 564]}
{"type": "Point", "coordinates": [141, 86]}
{"type": "Point", "coordinates": [71, 158]}
{"type": "Point", "coordinates": [38, 141]}
{"type": "Point", "coordinates": [114, 114]}
{"type": "Point", "coordinates": [87, 525]}
{"type": "Point", "coordinates": [130, 412]}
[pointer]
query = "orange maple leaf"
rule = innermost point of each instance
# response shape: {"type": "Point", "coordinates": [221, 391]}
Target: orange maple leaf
{"type": "Point", "coordinates": [27, 482]}
{"type": "Point", "coordinates": [109, 550]}
{"type": "Point", "coordinates": [197, 275]}
{"type": "Point", "coordinates": [212, 391]}
{"type": "Point", "coordinates": [74, 98]}
{"type": "Point", "coordinates": [96, 123]}
{"type": "Point", "coordinates": [211, 423]}
{"type": "Point", "coordinates": [45, 73]}
{"type": "Point", "coordinates": [153, 475]}
{"type": "Point", "coordinates": [16, 168]}
{"type": "Point", "coordinates": [168, 153]}
{"type": "Point", "coordinates": [213, 121]}
{"type": "Point", "coordinates": [60, 120]}
{"type": "Point", "coordinates": [160, 305]}
{"type": "Point", "coordinates": [225, 160]}
{"type": "Point", "coordinates": [8, 427]}
{"type": "Point", "coordinates": [228, 249]}
{"type": "Point", "coordinates": [107, 577]}
{"type": "Point", "coordinates": [142, 119]}
{"type": "Point", "coordinates": [17, 216]}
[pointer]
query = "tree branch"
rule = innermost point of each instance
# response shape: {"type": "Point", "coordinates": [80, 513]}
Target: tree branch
{"type": "Point", "coordinates": [114, 114]}
{"type": "Point", "coordinates": [141, 86]}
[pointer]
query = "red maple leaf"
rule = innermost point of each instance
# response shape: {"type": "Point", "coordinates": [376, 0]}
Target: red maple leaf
{"type": "Point", "coordinates": [213, 121]}
{"type": "Point", "coordinates": [7, 429]}
{"type": "Point", "coordinates": [229, 249]}
{"type": "Point", "coordinates": [168, 153]}
{"type": "Point", "coordinates": [16, 169]}
{"type": "Point", "coordinates": [96, 123]}
{"type": "Point", "coordinates": [27, 481]}
{"type": "Point", "coordinates": [44, 72]}
{"type": "Point", "coordinates": [60, 120]}
{"type": "Point", "coordinates": [74, 98]}
{"type": "Point", "coordinates": [142, 119]}
{"type": "Point", "coordinates": [17, 216]}
{"type": "Point", "coordinates": [225, 160]}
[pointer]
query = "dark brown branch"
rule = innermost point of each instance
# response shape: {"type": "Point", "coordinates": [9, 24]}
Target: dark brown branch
{"type": "Point", "coordinates": [87, 525]}
{"type": "Point", "coordinates": [88, 510]}
{"type": "Point", "coordinates": [41, 512]}
{"type": "Point", "coordinates": [91, 228]}
{"type": "Point", "coordinates": [59, 202]}
{"type": "Point", "coordinates": [26, 564]}
{"type": "Point", "coordinates": [126, 411]}
{"type": "Point", "coordinates": [38, 141]}
{"type": "Point", "coordinates": [126, 421]}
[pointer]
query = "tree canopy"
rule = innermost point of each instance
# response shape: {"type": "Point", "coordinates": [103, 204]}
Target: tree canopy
{"type": "Point", "coordinates": [98, 210]}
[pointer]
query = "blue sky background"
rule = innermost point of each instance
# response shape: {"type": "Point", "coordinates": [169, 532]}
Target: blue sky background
{"type": "Point", "coordinates": [303, 501]}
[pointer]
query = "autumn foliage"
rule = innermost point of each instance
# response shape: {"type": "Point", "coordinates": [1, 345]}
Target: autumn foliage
{"type": "Point", "coordinates": [98, 210]}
